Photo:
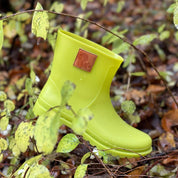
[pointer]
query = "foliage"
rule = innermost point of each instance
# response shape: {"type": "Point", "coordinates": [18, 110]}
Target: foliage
{"type": "Point", "coordinates": [35, 146]}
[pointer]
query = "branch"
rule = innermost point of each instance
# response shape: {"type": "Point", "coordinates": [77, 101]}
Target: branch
{"type": "Point", "coordinates": [105, 29]}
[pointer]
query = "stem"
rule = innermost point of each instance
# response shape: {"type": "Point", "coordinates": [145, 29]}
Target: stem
{"type": "Point", "coordinates": [105, 29]}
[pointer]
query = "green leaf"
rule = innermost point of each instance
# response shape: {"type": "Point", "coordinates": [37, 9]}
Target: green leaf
{"type": "Point", "coordinates": [1, 34]}
{"type": "Point", "coordinates": [3, 144]}
{"type": "Point", "coordinates": [164, 35]}
{"type": "Point", "coordinates": [38, 171]}
{"type": "Point", "coordinates": [81, 171]}
{"type": "Point", "coordinates": [133, 119]}
{"type": "Point", "coordinates": [4, 121]}
{"type": "Point", "coordinates": [145, 39]}
{"type": "Point", "coordinates": [171, 8]}
{"type": "Point", "coordinates": [123, 47]}
{"type": "Point", "coordinates": [23, 17]}
{"type": "Point", "coordinates": [3, 96]}
{"type": "Point", "coordinates": [40, 22]}
{"type": "Point", "coordinates": [160, 51]}
{"type": "Point", "coordinates": [85, 156]}
{"type": "Point", "coordinates": [84, 3]}
{"type": "Point", "coordinates": [105, 2]}
{"type": "Point", "coordinates": [57, 7]}
{"type": "Point", "coordinates": [26, 165]}
{"type": "Point", "coordinates": [14, 148]}
{"type": "Point", "coordinates": [9, 105]}
{"type": "Point", "coordinates": [80, 123]}
{"type": "Point", "coordinates": [128, 107]}
{"type": "Point", "coordinates": [46, 131]}
{"type": "Point", "coordinates": [28, 86]}
{"type": "Point", "coordinates": [23, 134]}
{"type": "Point", "coordinates": [138, 74]}
{"type": "Point", "coordinates": [32, 75]}
{"type": "Point", "coordinates": [175, 17]}
{"type": "Point", "coordinates": [120, 6]}
{"type": "Point", "coordinates": [67, 91]}
{"type": "Point", "coordinates": [68, 143]}
{"type": "Point", "coordinates": [161, 28]}
{"type": "Point", "coordinates": [1, 157]}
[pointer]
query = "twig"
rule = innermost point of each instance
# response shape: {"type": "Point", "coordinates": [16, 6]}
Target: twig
{"type": "Point", "coordinates": [99, 160]}
{"type": "Point", "coordinates": [106, 29]}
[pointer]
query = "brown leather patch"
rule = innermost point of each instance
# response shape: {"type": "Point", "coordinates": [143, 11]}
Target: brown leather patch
{"type": "Point", "coordinates": [85, 60]}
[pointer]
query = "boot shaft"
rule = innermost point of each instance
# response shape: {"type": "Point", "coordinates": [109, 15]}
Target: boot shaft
{"type": "Point", "coordinates": [85, 63]}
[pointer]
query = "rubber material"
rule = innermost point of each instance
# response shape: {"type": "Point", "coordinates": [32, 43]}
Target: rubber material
{"type": "Point", "coordinates": [106, 130]}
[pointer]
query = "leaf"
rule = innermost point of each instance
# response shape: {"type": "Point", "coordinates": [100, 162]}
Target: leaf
{"type": "Point", "coordinates": [128, 107]}
{"type": "Point", "coordinates": [85, 156]}
{"type": "Point", "coordinates": [67, 91]}
{"type": "Point", "coordinates": [170, 121]}
{"type": "Point", "coordinates": [121, 48]}
{"type": "Point", "coordinates": [57, 7]}
{"type": "Point", "coordinates": [23, 134]}
{"type": "Point", "coordinates": [26, 165]}
{"type": "Point", "coordinates": [28, 86]}
{"type": "Point", "coordinates": [138, 74]}
{"type": "Point", "coordinates": [175, 17]}
{"type": "Point", "coordinates": [9, 105]}
{"type": "Point", "coordinates": [164, 35]}
{"type": "Point", "coordinates": [68, 143]}
{"type": "Point", "coordinates": [3, 144]}
{"type": "Point", "coordinates": [15, 149]}
{"type": "Point", "coordinates": [171, 8]}
{"type": "Point", "coordinates": [46, 131]}
{"type": "Point", "coordinates": [1, 157]}
{"type": "Point", "coordinates": [145, 39]}
{"type": "Point", "coordinates": [23, 17]}
{"type": "Point", "coordinates": [32, 75]}
{"type": "Point", "coordinates": [161, 28]}
{"type": "Point", "coordinates": [38, 171]}
{"type": "Point", "coordinates": [40, 23]}
{"type": "Point", "coordinates": [84, 3]}
{"type": "Point", "coordinates": [1, 34]}
{"type": "Point", "coordinates": [80, 123]}
{"type": "Point", "coordinates": [105, 2]}
{"type": "Point", "coordinates": [137, 172]}
{"type": "Point", "coordinates": [4, 121]}
{"type": "Point", "coordinates": [3, 96]}
{"type": "Point", "coordinates": [166, 141]}
{"type": "Point", "coordinates": [120, 6]}
{"type": "Point", "coordinates": [81, 171]}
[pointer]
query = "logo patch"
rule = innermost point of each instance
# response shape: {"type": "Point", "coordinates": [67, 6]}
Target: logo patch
{"type": "Point", "coordinates": [84, 60]}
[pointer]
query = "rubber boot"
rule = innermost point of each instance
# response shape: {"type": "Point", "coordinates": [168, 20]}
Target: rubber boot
{"type": "Point", "coordinates": [91, 68]}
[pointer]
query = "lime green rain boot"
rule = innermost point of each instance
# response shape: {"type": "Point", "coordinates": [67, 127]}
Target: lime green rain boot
{"type": "Point", "coordinates": [91, 68]}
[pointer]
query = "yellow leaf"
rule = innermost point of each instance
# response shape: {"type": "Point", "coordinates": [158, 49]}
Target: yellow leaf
{"type": "Point", "coordinates": [40, 23]}
{"type": "Point", "coordinates": [1, 34]}
{"type": "Point", "coordinates": [4, 121]}
{"type": "Point", "coordinates": [3, 144]}
{"type": "Point", "coordinates": [23, 134]}
{"type": "Point", "coordinates": [46, 131]}
{"type": "Point", "coordinates": [175, 18]}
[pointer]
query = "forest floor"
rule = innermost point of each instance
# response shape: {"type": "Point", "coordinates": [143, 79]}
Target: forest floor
{"type": "Point", "coordinates": [155, 107]}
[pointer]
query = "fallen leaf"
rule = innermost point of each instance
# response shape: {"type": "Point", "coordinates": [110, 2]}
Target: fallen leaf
{"type": "Point", "coordinates": [155, 89]}
{"type": "Point", "coordinates": [170, 121]}
{"type": "Point", "coordinates": [136, 173]}
{"type": "Point", "coordinates": [138, 96]}
{"type": "Point", "coordinates": [166, 141]}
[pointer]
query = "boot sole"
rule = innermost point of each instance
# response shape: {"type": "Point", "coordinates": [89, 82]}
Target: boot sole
{"type": "Point", "coordinates": [101, 144]}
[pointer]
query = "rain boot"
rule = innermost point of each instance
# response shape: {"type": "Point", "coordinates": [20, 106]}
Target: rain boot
{"type": "Point", "coordinates": [91, 68]}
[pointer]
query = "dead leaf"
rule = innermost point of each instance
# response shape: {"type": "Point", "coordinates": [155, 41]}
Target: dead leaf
{"type": "Point", "coordinates": [166, 141]}
{"type": "Point", "coordinates": [169, 122]}
{"type": "Point", "coordinates": [138, 96]}
{"type": "Point", "coordinates": [155, 89]}
{"type": "Point", "coordinates": [136, 173]}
